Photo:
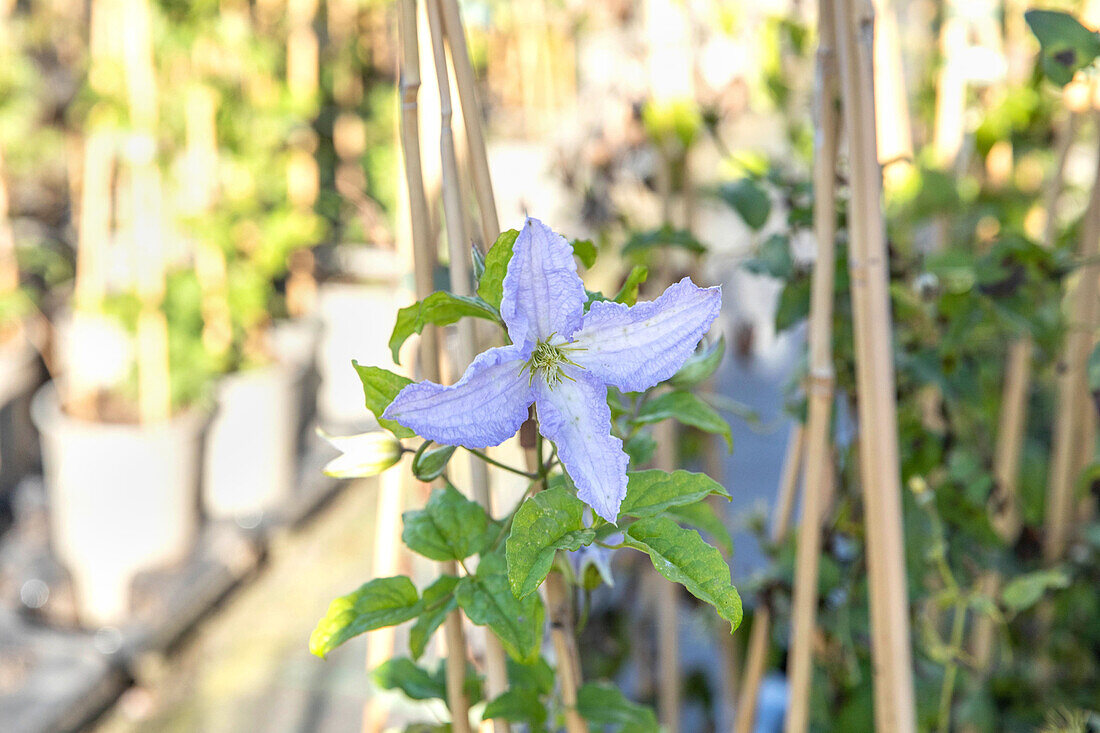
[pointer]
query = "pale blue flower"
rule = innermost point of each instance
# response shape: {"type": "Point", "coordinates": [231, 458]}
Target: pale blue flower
{"type": "Point", "coordinates": [563, 360]}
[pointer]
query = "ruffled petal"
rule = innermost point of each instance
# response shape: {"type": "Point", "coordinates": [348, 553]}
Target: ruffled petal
{"type": "Point", "coordinates": [575, 415]}
{"type": "Point", "coordinates": [635, 348]}
{"type": "Point", "coordinates": [543, 294]}
{"type": "Point", "coordinates": [485, 407]}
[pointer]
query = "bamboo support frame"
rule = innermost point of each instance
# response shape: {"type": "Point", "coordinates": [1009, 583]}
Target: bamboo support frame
{"type": "Point", "coordinates": [471, 118]}
{"type": "Point", "coordinates": [877, 410]}
{"type": "Point", "coordinates": [818, 465]}
{"type": "Point", "coordinates": [756, 656]}
{"type": "Point", "coordinates": [424, 261]}
{"type": "Point", "coordinates": [462, 284]}
{"type": "Point", "coordinates": [1073, 386]}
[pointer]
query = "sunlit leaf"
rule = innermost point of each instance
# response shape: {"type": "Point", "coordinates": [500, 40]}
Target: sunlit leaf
{"type": "Point", "coordinates": [648, 493]}
{"type": "Point", "coordinates": [490, 285]}
{"type": "Point", "coordinates": [380, 386]}
{"type": "Point", "coordinates": [440, 309]}
{"type": "Point", "coordinates": [688, 409]}
{"type": "Point", "coordinates": [550, 520]}
{"type": "Point", "coordinates": [487, 599]}
{"type": "Point", "coordinates": [381, 602]}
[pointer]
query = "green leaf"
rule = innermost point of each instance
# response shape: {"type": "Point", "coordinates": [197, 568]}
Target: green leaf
{"type": "Point", "coordinates": [773, 258]}
{"type": "Point", "coordinates": [521, 705]}
{"type": "Point", "coordinates": [415, 681]}
{"type": "Point", "coordinates": [487, 599]}
{"type": "Point", "coordinates": [683, 557]}
{"type": "Point", "coordinates": [585, 251]}
{"type": "Point", "coordinates": [649, 493]}
{"type": "Point", "coordinates": [1066, 45]}
{"type": "Point", "coordinates": [640, 447]}
{"type": "Point", "coordinates": [380, 386]}
{"type": "Point", "coordinates": [700, 365]}
{"type": "Point", "coordinates": [628, 293]}
{"type": "Point", "coordinates": [702, 515]}
{"type": "Point", "coordinates": [381, 602]}
{"type": "Point", "coordinates": [441, 309]}
{"type": "Point", "coordinates": [602, 704]}
{"type": "Point", "coordinates": [1023, 592]}
{"type": "Point", "coordinates": [428, 465]}
{"type": "Point", "coordinates": [490, 285]}
{"type": "Point", "coordinates": [749, 200]}
{"type": "Point", "coordinates": [665, 236]}
{"type": "Point", "coordinates": [536, 676]}
{"type": "Point", "coordinates": [550, 520]}
{"type": "Point", "coordinates": [438, 600]}
{"type": "Point", "coordinates": [688, 409]}
{"type": "Point", "coordinates": [479, 262]}
{"type": "Point", "coordinates": [449, 527]}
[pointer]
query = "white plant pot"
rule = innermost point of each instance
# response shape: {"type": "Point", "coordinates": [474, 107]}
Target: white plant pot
{"type": "Point", "coordinates": [294, 343]}
{"type": "Point", "coordinates": [252, 444]}
{"type": "Point", "coordinates": [122, 498]}
{"type": "Point", "coordinates": [356, 322]}
{"type": "Point", "coordinates": [20, 374]}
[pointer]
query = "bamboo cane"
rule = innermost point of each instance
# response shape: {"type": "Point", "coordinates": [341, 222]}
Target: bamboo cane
{"type": "Point", "coordinates": [818, 464]}
{"type": "Point", "coordinates": [154, 397]}
{"type": "Point", "coordinates": [753, 672]}
{"type": "Point", "coordinates": [1072, 384]}
{"type": "Point", "coordinates": [559, 611]}
{"type": "Point", "coordinates": [461, 284]}
{"type": "Point", "coordinates": [471, 117]}
{"type": "Point", "coordinates": [424, 262]}
{"type": "Point", "coordinates": [892, 127]}
{"type": "Point", "coordinates": [9, 268]}
{"type": "Point", "coordinates": [948, 129]}
{"type": "Point", "coordinates": [878, 447]}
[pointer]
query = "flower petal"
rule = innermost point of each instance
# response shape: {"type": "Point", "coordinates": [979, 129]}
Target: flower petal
{"type": "Point", "coordinates": [635, 348]}
{"type": "Point", "coordinates": [485, 407]}
{"type": "Point", "coordinates": [542, 292]}
{"type": "Point", "coordinates": [575, 415]}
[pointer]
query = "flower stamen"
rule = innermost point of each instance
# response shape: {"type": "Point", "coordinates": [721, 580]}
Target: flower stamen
{"type": "Point", "coordinates": [548, 360]}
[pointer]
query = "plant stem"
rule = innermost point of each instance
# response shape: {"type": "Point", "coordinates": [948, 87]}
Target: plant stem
{"type": "Point", "coordinates": [483, 456]}
{"type": "Point", "coordinates": [951, 669]}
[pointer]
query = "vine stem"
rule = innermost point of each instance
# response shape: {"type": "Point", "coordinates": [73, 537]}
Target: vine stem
{"type": "Point", "coordinates": [951, 669]}
{"type": "Point", "coordinates": [485, 457]}
{"type": "Point", "coordinates": [559, 607]}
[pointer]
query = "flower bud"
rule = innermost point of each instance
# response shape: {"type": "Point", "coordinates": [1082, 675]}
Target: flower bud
{"type": "Point", "coordinates": [366, 454]}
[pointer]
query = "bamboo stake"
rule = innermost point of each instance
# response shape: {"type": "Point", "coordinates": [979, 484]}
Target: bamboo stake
{"type": "Point", "coordinates": [753, 673]}
{"type": "Point", "coordinates": [462, 284]}
{"type": "Point", "coordinates": [878, 448]}
{"type": "Point", "coordinates": [559, 611]}
{"type": "Point", "coordinates": [424, 262]}
{"type": "Point", "coordinates": [948, 129]}
{"type": "Point", "coordinates": [471, 117]}
{"type": "Point", "coordinates": [154, 396]}
{"type": "Point", "coordinates": [9, 267]}
{"type": "Point", "coordinates": [818, 464]}
{"type": "Point", "coordinates": [1072, 385]}
{"type": "Point", "coordinates": [892, 127]}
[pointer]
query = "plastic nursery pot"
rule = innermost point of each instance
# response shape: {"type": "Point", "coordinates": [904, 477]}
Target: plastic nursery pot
{"type": "Point", "coordinates": [123, 498]}
{"type": "Point", "coordinates": [357, 317]}
{"type": "Point", "coordinates": [294, 342]}
{"type": "Point", "coordinates": [20, 375]}
{"type": "Point", "coordinates": [252, 444]}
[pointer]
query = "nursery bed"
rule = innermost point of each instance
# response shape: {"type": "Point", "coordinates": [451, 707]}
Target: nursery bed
{"type": "Point", "coordinates": [54, 677]}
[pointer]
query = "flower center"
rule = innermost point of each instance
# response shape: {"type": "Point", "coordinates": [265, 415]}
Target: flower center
{"type": "Point", "coordinates": [548, 359]}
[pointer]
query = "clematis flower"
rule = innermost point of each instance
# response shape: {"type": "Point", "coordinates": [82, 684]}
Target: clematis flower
{"type": "Point", "coordinates": [562, 359]}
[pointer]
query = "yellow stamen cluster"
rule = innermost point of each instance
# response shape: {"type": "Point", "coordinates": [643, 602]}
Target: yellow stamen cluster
{"type": "Point", "coordinates": [548, 360]}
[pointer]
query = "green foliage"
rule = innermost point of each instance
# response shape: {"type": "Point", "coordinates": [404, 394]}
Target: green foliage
{"type": "Point", "coordinates": [628, 293]}
{"type": "Point", "coordinates": [486, 598]}
{"type": "Point", "coordinates": [550, 520]}
{"type": "Point", "coordinates": [683, 557]}
{"type": "Point", "coordinates": [380, 386]}
{"type": "Point", "coordinates": [701, 515]}
{"type": "Point", "coordinates": [585, 251]}
{"type": "Point", "coordinates": [490, 286]}
{"type": "Point", "coordinates": [688, 409]}
{"type": "Point", "coordinates": [449, 527]}
{"type": "Point", "coordinates": [749, 199]}
{"type": "Point", "coordinates": [1024, 591]}
{"type": "Point", "coordinates": [380, 602]}
{"type": "Point", "coordinates": [417, 683]}
{"type": "Point", "coordinates": [439, 309]}
{"type": "Point", "coordinates": [438, 601]}
{"type": "Point", "coordinates": [664, 236]}
{"type": "Point", "coordinates": [429, 464]}
{"type": "Point", "coordinates": [650, 493]}
{"type": "Point", "coordinates": [520, 705]}
{"type": "Point", "coordinates": [701, 366]}
{"type": "Point", "coordinates": [1066, 45]}
{"type": "Point", "coordinates": [604, 705]}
